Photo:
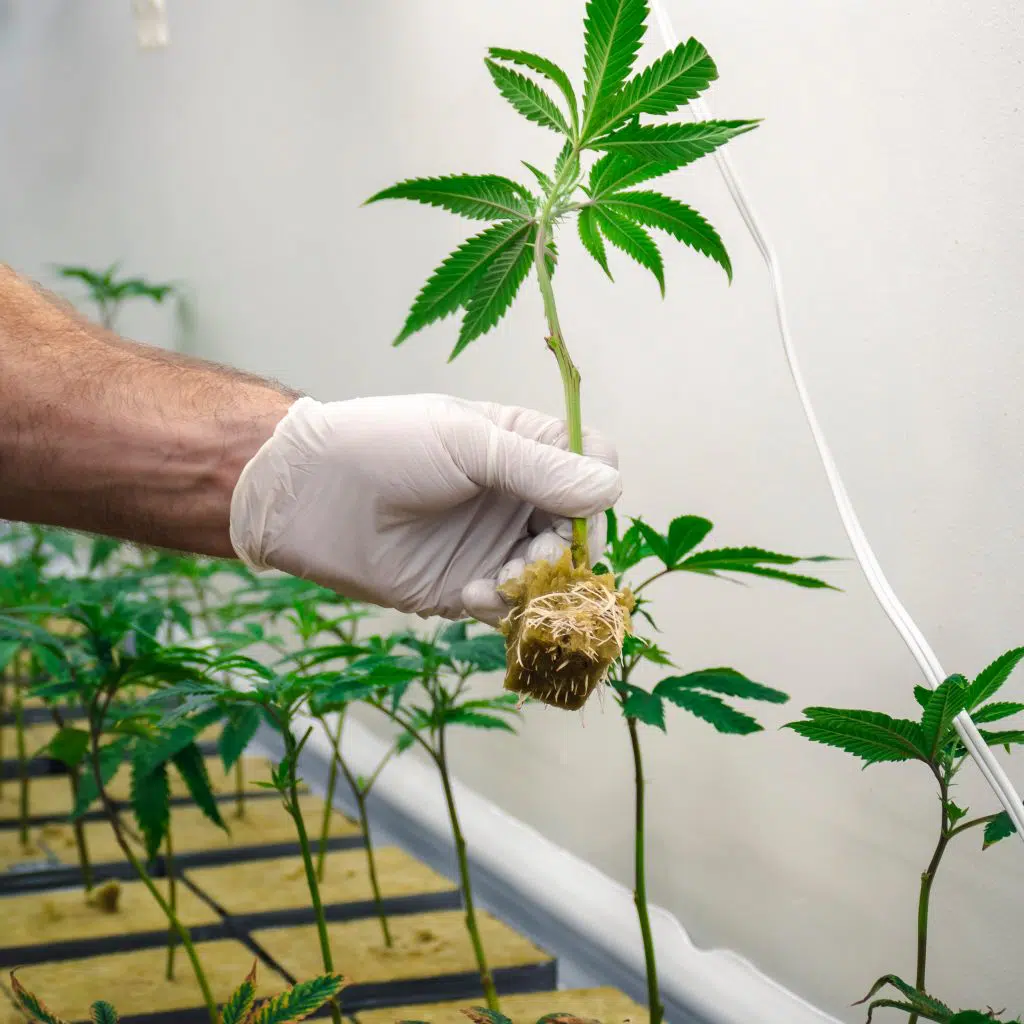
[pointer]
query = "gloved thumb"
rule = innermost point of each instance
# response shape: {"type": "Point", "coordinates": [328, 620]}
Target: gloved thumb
{"type": "Point", "coordinates": [549, 478]}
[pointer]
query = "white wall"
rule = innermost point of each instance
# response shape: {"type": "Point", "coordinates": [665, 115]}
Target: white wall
{"type": "Point", "coordinates": [888, 171]}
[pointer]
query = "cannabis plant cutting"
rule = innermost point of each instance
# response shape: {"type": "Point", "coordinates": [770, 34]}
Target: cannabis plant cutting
{"type": "Point", "coordinates": [932, 740]}
{"type": "Point", "coordinates": [567, 626]}
{"type": "Point", "coordinates": [109, 292]}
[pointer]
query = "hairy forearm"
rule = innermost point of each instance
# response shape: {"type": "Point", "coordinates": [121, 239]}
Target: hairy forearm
{"type": "Point", "coordinates": [103, 435]}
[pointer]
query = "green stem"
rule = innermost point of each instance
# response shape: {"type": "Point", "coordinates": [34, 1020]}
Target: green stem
{"type": "Point", "coordinates": [239, 788]}
{"type": "Point", "coordinates": [172, 917]}
{"type": "Point", "coordinates": [486, 980]}
{"type": "Point", "coordinates": [74, 778]}
{"type": "Point", "coordinates": [566, 367]}
{"type": "Point", "coordinates": [655, 1010]}
{"type": "Point", "coordinates": [378, 899]}
{"type": "Point", "coordinates": [19, 732]}
{"type": "Point", "coordinates": [332, 785]}
{"type": "Point", "coordinates": [925, 892]}
{"type": "Point", "coordinates": [172, 898]}
{"type": "Point", "coordinates": [3, 708]}
{"type": "Point", "coordinates": [291, 752]}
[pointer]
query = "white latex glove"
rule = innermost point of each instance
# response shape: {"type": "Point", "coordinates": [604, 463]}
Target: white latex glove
{"type": "Point", "coordinates": [418, 502]}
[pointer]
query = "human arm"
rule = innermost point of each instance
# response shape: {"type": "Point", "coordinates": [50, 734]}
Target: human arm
{"type": "Point", "coordinates": [415, 502]}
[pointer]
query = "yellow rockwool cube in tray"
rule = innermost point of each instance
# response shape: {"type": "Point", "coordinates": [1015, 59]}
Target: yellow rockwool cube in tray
{"type": "Point", "coordinates": [134, 982]}
{"type": "Point", "coordinates": [424, 945]}
{"type": "Point", "coordinates": [265, 821]}
{"type": "Point", "coordinates": [608, 1005]}
{"type": "Point", "coordinates": [36, 737]}
{"type": "Point", "coordinates": [280, 883]}
{"type": "Point", "coordinates": [48, 795]}
{"type": "Point", "coordinates": [13, 851]}
{"type": "Point", "coordinates": [39, 918]}
{"type": "Point", "coordinates": [100, 842]}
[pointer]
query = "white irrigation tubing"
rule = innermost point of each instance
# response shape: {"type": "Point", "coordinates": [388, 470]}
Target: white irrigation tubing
{"type": "Point", "coordinates": [898, 615]}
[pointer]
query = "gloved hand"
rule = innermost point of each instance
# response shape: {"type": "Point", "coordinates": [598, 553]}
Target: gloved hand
{"type": "Point", "coordinates": [419, 502]}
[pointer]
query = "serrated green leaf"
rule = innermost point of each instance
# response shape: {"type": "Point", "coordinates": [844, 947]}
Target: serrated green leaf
{"type": "Point", "coordinates": [972, 1017]}
{"type": "Point", "coordinates": [633, 241]}
{"type": "Point", "coordinates": [712, 710]}
{"type": "Point", "coordinates": [945, 703]}
{"type": "Point", "coordinates": [685, 533]}
{"type": "Point", "coordinates": [613, 31]}
{"type": "Point", "coordinates": [870, 735]}
{"type": "Point", "coordinates": [566, 155]}
{"type": "Point", "coordinates": [616, 172]}
{"type": "Point", "coordinates": [103, 1013]}
{"type": "Point", "coordinates": [669, 83]}
{"type": "Point", "coordinates": [528, 98]}
{"type": "Point", "coordinates": [299, 1002]}
{"type": "Point", "coordinates": [151, 803]}
{"type": "Point", "coordinates": [548, 68]}
{"type": "Point", "coordinates": [454, 281]}
{"type": "Point", "coordinates": [996, 711]}
{"type": "Point", "coordinates": [648, 650]}
{"type": "Point", "coordinates": [236, 1009]}
{"type": "Point", "coordinates": [643, 706]}
{"type": "Point", "coordinates": [675, 144]}
{"type": "Point", "coordinates": [8, 651]}
{"type": "Point", "coordinates": [992, 678]}
{"type": "Point", "coordinates": [542, 179]}
{"type": "Point", "coordinates": [477, 196]}
{"type": "Point", "coordinates": [31, 1005]}
{"type": "Point", "coordinates": [955, 812]}
{"type": "Point", "coordinates": [495, 291]}
{"type": "Point", "coordinates": [683, 223]}
{"type": "Point", "coordinates": [477, 720]}
{"type": "Point", "coordinates": [110, 759]}
{"type": "Point", "coordinates": [658, 544]}
{"type": "Point", "coordinates": [242, 724]}
{"type": "Point", "coordinates": [485, 652]}
{"type": "Point", "coordinates": [998, 828]}
{"type": "Point", "coordinates": [725, 681]}
{"type": "Point", "coordinates": [751, 561]}
{"type": "Point", "coordinates": [921, 1000]}
{"type": "Point", "coordinates": [923, 694]}
{"type": "Point", "coordinates": [69, 745]}
{"type": "Point", "coordinates": [192, 768]}
{"type": "Point", "coordinates": [1003, 738]}
{"type": "Point", "coordinates": [591, 238]}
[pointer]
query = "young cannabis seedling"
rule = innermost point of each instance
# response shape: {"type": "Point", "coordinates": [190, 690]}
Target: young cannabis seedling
{"type": "Point", "coordinates": [703, 693]}
{"type": "Point", "coordinates": [443, 666]}
{"type": "Point", "coordinates": [933, 741]}
{"type": "Point", "coordinates": [295, 1004]}
{"type": "Point", "coordinates": [109, 292]}
{"type": "Point", "coordinates": [922, 1006]}
{"type": "Point", "coordinates": [567, 626]}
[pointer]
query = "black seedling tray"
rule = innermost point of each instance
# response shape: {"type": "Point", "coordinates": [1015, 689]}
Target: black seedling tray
{"type": "Point", "coordinates": [67, 876]}
{"type": "Point", "coordinates": [245, 854]}
{"type": "Point", "coordinates": [75, 949]}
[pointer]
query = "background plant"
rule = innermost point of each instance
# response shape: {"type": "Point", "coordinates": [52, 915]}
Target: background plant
{"type": "Point", "coordinates": [932, 740]}
{"type": "Point", "coordinates": [109, 292]}
{"type": "Point", "coordinates": [707, 693]}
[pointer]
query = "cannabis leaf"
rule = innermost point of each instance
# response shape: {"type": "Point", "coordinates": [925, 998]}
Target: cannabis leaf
{"type": "Point", "coordinates": [453, 283]}
{"type": "Point", "coordinates": [300, 1001]}
{"type": "Point", "coordinates": [675, 144]}
{"type": "Point", "coordinates": [945, 703]}
{"type": "Point", "coordinates": [754, 562]}
{"type": "Point", "coordinates": [476, 196]}
{"type": "Point", "coordinates": [528, 98]}
{"type": "Point", "coordinates": [31, 1005]}
{"type": "Point", "coordinates": [646, 707]}
{"type": "Point", "coordinates": [241, 726]}
{"type": "Point", "coordinates": [103, 1013]}
{"type": "Point", "coordinates": [990, 679]}
{"type": "Point", "coordinates": [151, 803]}
{"type": "Point", "coordinates": [502, 277]}
{"type": "Point", "coordinates": [548, 68]}
{"type": "Point", "coordinates": [192, 768]}
{"type": "Point", "coordinates": [725, 681]}
{"type": "Point", "coordinates": [870, 735]}
{"type": "Point", "coordinates": [707, 706]}
{"type": "Point", "coordinates": [683, 535]}
{"type": "Point", "coordinates": [613, 31]}
{"type": "Point", "coordinates": [998, 828]}
{"type": "Point", "coordinates": [591, 238]}
{"type": "Point", "coordinates": [671, 81]}
{"type": "Point", "coordinates": [628, 236]}
{"type": "Point", "coordinates": [236, 1009]}
{"type": "Point", "coordinates": [686, 225]}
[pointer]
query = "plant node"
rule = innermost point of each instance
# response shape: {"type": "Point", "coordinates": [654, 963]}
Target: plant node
{"type": "Point", "coordinates": [564, 632]}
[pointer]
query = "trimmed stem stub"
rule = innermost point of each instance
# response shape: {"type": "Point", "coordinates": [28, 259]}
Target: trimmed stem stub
{"type": "Point", "coordinates": [564, 632]}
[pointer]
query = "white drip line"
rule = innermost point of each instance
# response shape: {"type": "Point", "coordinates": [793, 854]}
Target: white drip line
{"type": "Point", "coordinates": [891, 605]}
